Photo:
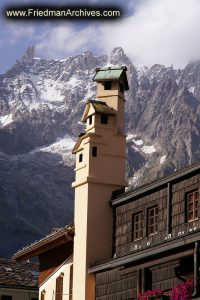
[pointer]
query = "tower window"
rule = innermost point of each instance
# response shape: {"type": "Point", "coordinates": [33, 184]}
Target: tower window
{"type": "Point", "coordinates": [192, 203]}
{"type": "Point", "coordinates": [81, 157]}
{"type": "Point", "coordinates": [121, 88]}
{"type": "Point", "coordinates": [107, 85]}
{"type": "Point", "coordinates": [94, 151]}
{"type": "Point", "coordinates": [104, 119]}
{"type": "Point", "coordinates": [90, 120]}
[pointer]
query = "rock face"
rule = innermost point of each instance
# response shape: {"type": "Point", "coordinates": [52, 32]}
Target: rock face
{"type": "Point", "coordinates": [41, 102]}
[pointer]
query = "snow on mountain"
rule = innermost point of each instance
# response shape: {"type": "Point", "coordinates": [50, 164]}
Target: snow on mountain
{"type": "Point", "coordinates": [5, 120]}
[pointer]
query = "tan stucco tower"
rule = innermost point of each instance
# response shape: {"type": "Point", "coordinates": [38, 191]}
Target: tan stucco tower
{"type": "Point", "coordinates": [100, 169]}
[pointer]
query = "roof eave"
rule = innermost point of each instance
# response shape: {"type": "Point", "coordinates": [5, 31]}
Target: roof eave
{"type": "Point", "coordinates": [154, 185]}
{"type": "Point", "coordinates": [44, 245]}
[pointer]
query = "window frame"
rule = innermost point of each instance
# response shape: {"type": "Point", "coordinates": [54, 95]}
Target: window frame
{"type": "Point", "coordinates": [140, 223]}
{"type": "Point", "coordinates": [155, 218]}
{"type": "Point", "coordinates": [194, 209]}
{"type": "Point", "coordinates": [59, 288]}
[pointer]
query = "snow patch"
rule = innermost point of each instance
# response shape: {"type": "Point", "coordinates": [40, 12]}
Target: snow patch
{"type": "Point", "coordinates": [138, 142]}
{"type": "Point", "coordinates": [61, 145]}
{"type": "Point", "coordinates": [191, 89]}
{"type": "Point", "coordinates": [162, 159]}
{"type": "Point", "coordinates": [5, 120]}
{"type": "Point", "coordinates": [51, 91]}
{"type": "Point", "coordinates": [129, 136]}
{"type": "Point", "coordinates": [148, 149]}
{"type": "Point", "coordinates": [74, 81]}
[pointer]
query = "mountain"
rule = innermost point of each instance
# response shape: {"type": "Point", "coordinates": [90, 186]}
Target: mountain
{"type": "Point", "coordinates": [41, 103]}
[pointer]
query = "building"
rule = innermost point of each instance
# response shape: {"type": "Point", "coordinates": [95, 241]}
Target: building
{"type": "Point", "coordinates": [127, 243]}
{"type": "Point", "coordinates": [55, 254]}
{"type": "Point", "coordinates": [18, 280]}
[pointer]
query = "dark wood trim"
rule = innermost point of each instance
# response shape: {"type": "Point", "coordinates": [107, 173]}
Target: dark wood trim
{"type": "Point", "coordinates": [196, 271]}
{"type": "Point", "coordinates": [146, 222]}
{"type": "Point", "coordinates": [113, 230]}
{"type": "Point", "coordinates": [169, 208]}
{"type": "Point", "coordinates": [157, 261]}
{"type": "Point", "coordinates": [185, 208]}
{"type": "Point", "coordinates": [139, 281]}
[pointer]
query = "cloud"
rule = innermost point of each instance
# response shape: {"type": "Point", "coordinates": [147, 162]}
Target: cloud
{"type": "Point", "coordinates": [66, 40]}
{"type": "Point", "coordinates": [160, 31]}
{"type": "Point", "coordinates": [157, 31]}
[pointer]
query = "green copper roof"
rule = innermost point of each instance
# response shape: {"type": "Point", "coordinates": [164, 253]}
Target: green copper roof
{"type": "Point", "coordinates": [112, 73]}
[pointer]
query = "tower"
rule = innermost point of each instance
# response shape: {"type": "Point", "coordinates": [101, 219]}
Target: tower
{"type": "Point", "coordinates": [100, 170]}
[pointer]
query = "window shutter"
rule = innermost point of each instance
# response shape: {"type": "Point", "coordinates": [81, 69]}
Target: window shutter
{"type": "Point", "coordinates": [59, 288]}
{"type": "Point", "coordinates": [70, 282]}
{"type": "Point", "coordinates": [42, 296]}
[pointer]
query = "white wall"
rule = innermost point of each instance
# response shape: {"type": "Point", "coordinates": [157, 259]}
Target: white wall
{"type": "Point", "coordinates": [50, 285]}
{"type": "Point", "coordinates": [18, 294]}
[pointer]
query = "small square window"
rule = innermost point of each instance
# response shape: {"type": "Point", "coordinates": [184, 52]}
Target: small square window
{"type": "Point", "coordinates": [81, 157]}
{"type": "Point", "coordinates": [94, 151]}
{"type": "Point", "coordinates": [107, 85]}
{"type": "Point", "coordinates": [90, 120]}
{"type": "Point", "coordinates": [104, 119]}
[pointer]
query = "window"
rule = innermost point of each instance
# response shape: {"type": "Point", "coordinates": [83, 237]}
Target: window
{"type": "Point", "coordinates": [3, 297]}
{"type": "Point", "coordinates": [107, 85]}
{"type": "Point", "coordinates": [90, 120]}
{"type": "Point", "coordinates": [104, 119]}
{"type": "Point", "coordinates": [192, 205]}
{"type": "Point", "coordinates": [152, 221]}
{"type": "Point", "coordinates": [94, 151]}
{"type": "Point", "coordinates": [121, 88]}
{"type": "Point", "coordinates": [81, 157]}
{"type": "Point", "coordinates": [59, 288]}
{"type": "Point", "coordinates": [137, 226]}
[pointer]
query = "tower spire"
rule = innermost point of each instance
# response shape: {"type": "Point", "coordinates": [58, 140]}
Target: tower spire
{"type": "Point", "coordinates": [100, 170]}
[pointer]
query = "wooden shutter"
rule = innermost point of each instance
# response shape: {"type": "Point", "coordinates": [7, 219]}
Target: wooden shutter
{"type": "Point", "coordinates": [42, 296]}
{"type": "Point", "coordinates": [59, 288]}
{"type": "Point", "coordinates": [70, 282]}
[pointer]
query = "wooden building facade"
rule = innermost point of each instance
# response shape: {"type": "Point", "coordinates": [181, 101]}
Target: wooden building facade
{"type": "Point", "coordinates": [156, 234]}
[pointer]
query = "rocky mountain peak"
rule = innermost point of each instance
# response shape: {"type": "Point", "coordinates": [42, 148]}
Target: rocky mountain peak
{"type": "Point", "coordinates": [117, 55]}
{"type": "Point", "coordinates": [29, 54]}
{"type": "Point", "coordinates": [41, 105]}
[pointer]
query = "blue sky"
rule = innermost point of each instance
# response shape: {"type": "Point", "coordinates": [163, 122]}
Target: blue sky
{"type": "Point", "coordinates": [152, 31]}
{"type": "Point", "coordinates": [16, 36]}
